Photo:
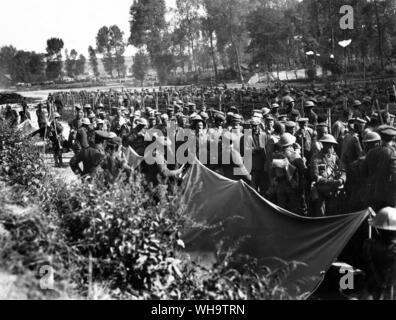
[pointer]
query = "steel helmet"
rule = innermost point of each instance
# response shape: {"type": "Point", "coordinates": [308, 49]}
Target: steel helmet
{"type": "Point", "coordinates": [357, 103]}
{"type": "Point", "coordinates": [290, 124]}
{"type": "Point", "coordinates": [204, 115]}
{"type": "Point", "coordinates": [288, 99]}
{"type": "Point", "coordinates": [385, 219]}
{"type": "Point", "coordinates": [371, 137]}
{"type": "Point", "coordinates": [309, 104]}
{"type": "Point", "coordinates": [328, 138]}
{"type": "Point", "coordinates": [286, 140]}
{"type": "Point", "coordinates": [275, 106]}
{"type": "Point", "coordinates": [85, 121]}
{"type": "Point", "coordinates": [265, 111]}
{"type": "Point", "coordinates": [142, 122]}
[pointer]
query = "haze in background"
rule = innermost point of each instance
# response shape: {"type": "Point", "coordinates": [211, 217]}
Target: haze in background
{"type": "Point", "coordinates": [27, 24]}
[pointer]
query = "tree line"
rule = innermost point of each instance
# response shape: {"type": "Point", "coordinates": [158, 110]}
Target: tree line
{"type": "Point", "coordinates": [29, 66]}
{"type": "Point", "coordinates": [231, 37]}
{"type": "Point", "coordinates": [265, 35]}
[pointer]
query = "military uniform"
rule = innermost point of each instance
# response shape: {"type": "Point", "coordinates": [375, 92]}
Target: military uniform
{"type": "Point", "coordinates": [258, 144]}
{"type": "Point", "coordinates": [91, 157]}
{"type": "Point", "coordinates": [55, 135]}
{"type": "Point", "coordinates": [305, 138]}
{"type": "Point", "coordinates": [380, 169]}
{"type": "Point", "coordinates": [380, 254]}
{"type": "Point", "coordinates": [351, 148]}
{"type": "Point", "coordinates": [326, 173]}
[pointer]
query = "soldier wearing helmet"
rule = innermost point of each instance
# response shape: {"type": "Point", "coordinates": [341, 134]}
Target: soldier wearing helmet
{"type": "Point", "coordinates": [288, 176]}
{"type": "Point", "coordinates": [56, 137]}
{"type": "Point", "coordinates": [288, 103]}
{"type": "Point", "coordinates": [380, 169]}
{"type": "Point", "coordinates": [356, 186]}
{"type": "Point", "coordinates": [327, 178]}
{"type": "Point", "coordinates": [351, 146]}
{"type": "Point", "coordinates": [310, 114]}
{"type": "Point", "coordinates": [257, 142]}
{"type": "Point", "coordinates": [380, 254]}
{"type": "Point", "coordinates": [136, 137]}
{"type": "Point", "coordinates": [305, 137]}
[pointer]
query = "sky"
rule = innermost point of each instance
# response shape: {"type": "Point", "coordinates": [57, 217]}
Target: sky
{"type": "Point", "coordinates": [27, 24]}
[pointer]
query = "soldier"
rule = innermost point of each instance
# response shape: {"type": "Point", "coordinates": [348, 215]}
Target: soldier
{"type": "Point", "coordinates": [106, 122]}
{"type": "Point", "coordinates": [305, 137]}
{"type": "Point", "coordinates": [136, 138]}
{"type": "Point", "coordinates": [310, 114]}
{"type": "Point", "coordinates": [24, 114]}
{"type": "Point", "coordinates": [59, 104]}
{"type": "Point", "coordinates": [91, 157]}
{"type": "Point", "coordinates": [339, 130]}
{"type": "Point", "coordinates": [290, 127]}
{"type": "Point", "coordinates": [269, 124]}
{"type": "Point", "coordinates": [82, 137]}
{"type": "Point", "coordinates": [55, 135]}
{"type": "Point", "coordinates": [41, 119]}
{"type": "Point", "coordinates": [321, 130]}
{"type": "Point", "coordinates": [274, 110]}
{"type": "Point", "coordinates": [288, 177]}
{"type": "Point", "coordinates": [380, 169]}
{"type": "Point", "coordinates": [351, 146]}
{"type": "Point", "coordinates": [257, 142]}
{"type": "Point", "coordinates": [327, 178]}
{"type": "Point", "coordinates": [356, 185]}
{"type": "Point", "coordinates": [356, 113]}
{"type": "Point", "coordinates": [288, 103]}
{"type": "Point", "coordinates": [118, 122]}
{"type": "Point", "coordinates": [114, 163]}
{"type": "Point", "coordinates": [380, 253]}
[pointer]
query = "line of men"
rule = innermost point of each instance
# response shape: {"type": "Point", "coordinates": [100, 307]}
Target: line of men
{"type": "Point", "coordinates": [303, 164]}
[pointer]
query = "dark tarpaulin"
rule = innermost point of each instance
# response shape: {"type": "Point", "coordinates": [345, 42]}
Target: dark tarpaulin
{"type": "Point", "coordinates": [233, 210]}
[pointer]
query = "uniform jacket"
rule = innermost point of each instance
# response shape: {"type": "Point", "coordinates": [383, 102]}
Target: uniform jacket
{"type": "Point", "coordinates": [380, 169]}
{"type": "Point", "coordinates": [351, 148]}
{"type": "Point", "coordinates": [91, 157]}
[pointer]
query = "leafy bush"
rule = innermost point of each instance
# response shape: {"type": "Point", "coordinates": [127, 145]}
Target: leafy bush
{"type": "Point", "coordinates": [123, 236]}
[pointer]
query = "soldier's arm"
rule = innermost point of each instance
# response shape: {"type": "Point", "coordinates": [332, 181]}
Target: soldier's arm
{"type": "Point", "coordinates": [164, 171]}
{"type": "Point", "coordinates": [392, 167]}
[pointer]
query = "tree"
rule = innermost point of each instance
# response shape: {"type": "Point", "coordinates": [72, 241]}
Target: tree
{"type": "Point", "coordinates": [54, 58]}
{"type": "Point", "coordinates": [118, 48]}
{"type": "Point", "coordinates": [93, 60]}
{"type": "Point", "coordinates": [80, 65]}
{"type": "Point", "coordinates": [147, 22]}
{"type": "Point", "coordinates": [230, 22]}
{"type": "Point", "coordinates": [27, 67]}
{"type": "Point", "coordinates": [188, 13]}
{"type": "Point", "coordinates": [7, 53]}
{"type": "Point", "coordinates": [110, 43]}
{"type": "Point", "coordinates": [140, 66]}
{"type": "Point", "coordinates": [149, 29]}
{"type": "Point", "coordinates": [208, 27]}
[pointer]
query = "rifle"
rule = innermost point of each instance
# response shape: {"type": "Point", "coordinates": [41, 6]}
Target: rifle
{"type": "Point", "coordinates": [379, 111]}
